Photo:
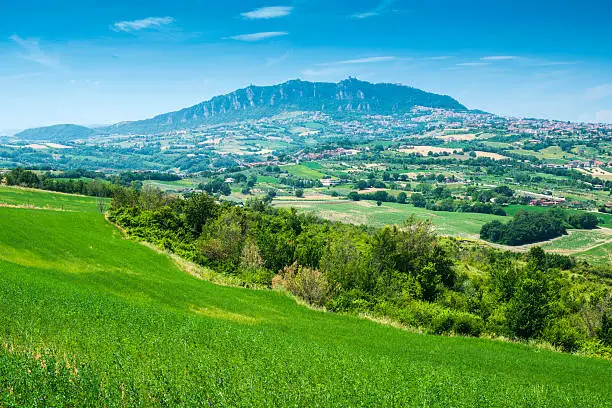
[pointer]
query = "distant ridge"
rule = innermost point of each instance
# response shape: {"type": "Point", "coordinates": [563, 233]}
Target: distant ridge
{"type": "Point", "coordinates": [350, 96]}
{"type": "Point", "coordinates": [253, 102]}
{"type": "Point", "coordinates": [56, 133]}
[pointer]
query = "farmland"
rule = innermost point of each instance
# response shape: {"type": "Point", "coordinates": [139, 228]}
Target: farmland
{"type": "Point", "coordinates": [88, 317]}
{"type": "Point", "coordinates": [368, 213]}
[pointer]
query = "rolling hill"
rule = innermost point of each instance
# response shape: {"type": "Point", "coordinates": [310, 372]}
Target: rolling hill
{"type": "Point", "coordinates": [89, 318]}
{"type": "Point", "coordinates": [56, 133]}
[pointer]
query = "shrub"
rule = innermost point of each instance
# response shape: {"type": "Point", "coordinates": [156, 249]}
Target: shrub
{"type": "Point", "coordinates": [354, 300]}
{"type": "Point", "coordinates": [308, 284]}
{"type": "Point", "coordinates": [565, 334]}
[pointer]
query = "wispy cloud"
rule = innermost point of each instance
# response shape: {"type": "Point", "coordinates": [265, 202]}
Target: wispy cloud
{"type": "Point", "coordinates": [143, 24]}
{"type": "Point", "coordinates": [328, 71]}
{"type": "Point", "coordinates": [258, 36]}
{"type": "Point", "coordinates": [599, 92]}
{"type": "Point", "coordinates": [270, 62]}
{"type": "Point", "coordinates": [500, 58]}
{"type": "Point", "coordinates": [15, 77]}
{"type": "Point", "coordinates": [382, 7]}
{"type": "Point", "coordinates": [438, 58]}
{"type": "Point", "coordinates": [33, 52]}
{"type": "Point", "coordinates": [473, 64]}
{"type": "Point", "coordinates": [367, 60]}
{"type": "Point", "coordinates": [267, 13]}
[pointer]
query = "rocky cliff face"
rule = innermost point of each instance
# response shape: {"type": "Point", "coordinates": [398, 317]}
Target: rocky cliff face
{"type": "Point", "coordinates": [350, 95]}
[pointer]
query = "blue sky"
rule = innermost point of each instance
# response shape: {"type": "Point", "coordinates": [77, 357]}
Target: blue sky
{"type": "Point", "coordinates": [104, 61]}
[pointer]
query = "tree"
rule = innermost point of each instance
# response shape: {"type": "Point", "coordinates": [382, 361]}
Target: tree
{"type": "Point", "coordinates": [401, 198]}
{"type": "Point", "coordinates": [583, 220]}
{"type": "Point", "coordinates": [353, 195]}
{"type": "Point", "coordinates": [418, 200]}
{"type": "Point", "coordinates": [199, 208]}
{"type": "Point", "coordinates": [362, 185]}
{"type": "Point", "coordinates": [299, 193]}
{"type": "Point", "coordinates": [529, 308]}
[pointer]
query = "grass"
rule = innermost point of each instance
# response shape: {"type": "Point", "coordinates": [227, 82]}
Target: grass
{"type": "Point", "coordinates": [46, 199]}
{"type": "Point", "coordinates": [366, 212]}
{"type": "Point", "coordinates": [88, 318]}
{"type": "Point", "coordinates": [599, 255]}
{"type": "Point", "coordinates": [304, 171]}
{"type": "Point", "coordinates": [579, 241]}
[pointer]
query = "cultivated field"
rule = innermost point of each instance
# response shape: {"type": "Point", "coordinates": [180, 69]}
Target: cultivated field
{"type": "Point", "coordinates": [88, 318]}
{"type": "Point", "coordinates": [368, 213]}
{"type": "Point", "coordinates": [26, 197]}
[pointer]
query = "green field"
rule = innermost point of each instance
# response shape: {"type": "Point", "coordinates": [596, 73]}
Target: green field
{"type": "Point", "coordinates": [88, 318]}
{"type": "Point", "coordinates": [366, 212]}
{"type": "Point", "coordinates": [46, 199]}
{"type": "Point", "coordinates": [579, 241]}
{"type": "Point", "coordinates": [301, 170]}
{"type": "Point", "coordinates": [601, 255]}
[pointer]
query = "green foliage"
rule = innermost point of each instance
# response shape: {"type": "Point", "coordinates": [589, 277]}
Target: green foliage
{"type": "Point", "coordinates": [525, 228]}
{"type": "Point", "coordinates": [530, 307]}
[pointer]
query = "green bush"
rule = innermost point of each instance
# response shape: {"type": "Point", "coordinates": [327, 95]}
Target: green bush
{"type": "Point", "coordinates": [565, 334]}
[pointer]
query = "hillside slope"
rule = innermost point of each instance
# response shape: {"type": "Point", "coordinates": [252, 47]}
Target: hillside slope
{"type": "Point", "coordinates": [351, 95]}
{"type": "Point", "coordinates": [56, 133]}
{"type": "Point", "coordinates": [90, 318]}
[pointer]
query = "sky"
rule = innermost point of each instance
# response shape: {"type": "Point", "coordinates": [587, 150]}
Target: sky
{"type": "Point", "coordinates": [96, 62]}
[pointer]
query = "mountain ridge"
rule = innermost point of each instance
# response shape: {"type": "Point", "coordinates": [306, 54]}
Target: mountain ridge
{"type": "Point", "coordinates": [350, 96]}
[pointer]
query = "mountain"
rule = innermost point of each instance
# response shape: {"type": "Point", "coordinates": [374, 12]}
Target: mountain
{"type": "Point", "coordinates": [56, 133]}
{"type": "Point", "coordinates": [348, 96]}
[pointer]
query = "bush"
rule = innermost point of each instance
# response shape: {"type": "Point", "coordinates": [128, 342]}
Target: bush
{"type": "Point", "coordinates": [434, 318]}
{"type": "Point", "coordinates": [565, 334]}
{"type": "Point", "coordinates": [354, 300]}
{"type": "Point", "coordinates": [308, 284]}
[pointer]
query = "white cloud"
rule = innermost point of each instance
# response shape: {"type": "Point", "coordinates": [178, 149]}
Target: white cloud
{"type": "Point", "coordinates": [380, 9]}
{"type": "Point", "coordinates": [473, 64]}
{"type": "Point", "coordinates": [599, 92]}
{"type": "Point", "coordinates": [367, 60]}
{"type": "Point", "coordinates": [145, 23]}
{"type": "Point", "coordinates": [499, 58]}
{"type": "Point", "coordinates": [267, 13]}
{"type": "Point", "coordinates": [258, 36]}
{"type": "Point", "coordinates": [604, 116]}
{"type": "Point", "coordinates": [367, 14]}
{"type": "Point", "coordinates": [33, 52]}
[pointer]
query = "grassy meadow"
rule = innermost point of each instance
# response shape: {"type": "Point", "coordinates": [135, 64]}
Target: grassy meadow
{"type": "Point", "coordinates": [17, 196]}
{"type": "Point", "coordinates": [89, 318]}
